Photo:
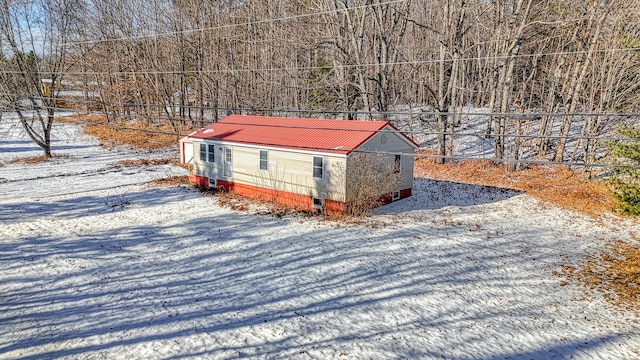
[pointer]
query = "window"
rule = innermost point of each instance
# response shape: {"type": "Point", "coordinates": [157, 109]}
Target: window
{"type": "Point", "coordinates": [203, 152]}
{"type": "Point", "coordinates": [227, 162]}
{"type": "Point", "coordinates": [396, 164]}
{"type": "Point", "coordinates": [264, 160]}
{"type": "Point", "coordinates": [207, 152]}
{"type": "Point", "coordinates": [317, 203]}
{"type": "Point", "coordinates": [212, 151]}
{"type": "Point", "coordinates": [318, 167]}
{"type": "Point", "coordinates": [395, 195]}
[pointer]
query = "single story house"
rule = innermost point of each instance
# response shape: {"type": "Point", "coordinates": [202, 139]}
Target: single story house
{"type": "Point", "coordinates": [305, 163]}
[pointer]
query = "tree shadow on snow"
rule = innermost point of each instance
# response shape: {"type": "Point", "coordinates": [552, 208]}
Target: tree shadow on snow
{"type": "Point", "coordinates": [88, 205]}
{"type": "Point", "coordinates": [17, 149]}
{"type": "Point", "coordinates": [428, 194]}
{"type": "Point", "coordinates": [203, 282]}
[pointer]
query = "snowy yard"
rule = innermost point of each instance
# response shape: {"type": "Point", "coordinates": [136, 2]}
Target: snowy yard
{"type": "Point", "coordinates": [94, 263]}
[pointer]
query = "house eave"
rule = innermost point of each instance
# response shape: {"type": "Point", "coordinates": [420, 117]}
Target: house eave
{"type": "Point", "coordinates": [342, 154]}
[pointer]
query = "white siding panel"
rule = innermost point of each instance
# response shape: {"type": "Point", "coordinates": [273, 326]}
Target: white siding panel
{"type": "Point", "coordinates": [204, 168]}
{"type": "Point", "coordinates": [387, 140]}
{"type": "Point", "coordinates": [391, 142]}
{"type": "Point", "coordinates": [288, 171]}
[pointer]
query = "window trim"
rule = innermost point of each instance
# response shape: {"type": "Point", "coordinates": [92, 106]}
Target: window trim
{"type": "Point", "coordinates": [265, 160]}
{"type": "Point", "coordinates": [203, 152]}
{"type": "Point", "coordinates": [314, 167]}
{"type": "Point", "coordinates": [206, 155]}
{"type": "Point", "coordinates": [397, 164]}
{"type": "Point", "coordinates": [227, 161]}
{"type": "Point", "coordinates": [211, 153]}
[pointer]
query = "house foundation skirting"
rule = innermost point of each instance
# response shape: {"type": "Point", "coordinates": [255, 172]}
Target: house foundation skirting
{"type": "Point", "coordinates": [297, 201]}
{"type": "Point", "coordinates": [199, 181]}
{"type": "Point", "coordinates": [405, 193]}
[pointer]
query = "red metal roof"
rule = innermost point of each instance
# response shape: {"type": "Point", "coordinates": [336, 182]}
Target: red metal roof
{"type": "Point", "coordinates": [319, 135]}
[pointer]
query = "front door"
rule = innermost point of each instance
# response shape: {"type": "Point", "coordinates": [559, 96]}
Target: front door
{"type": "Point", "coordinates": [227, 162]}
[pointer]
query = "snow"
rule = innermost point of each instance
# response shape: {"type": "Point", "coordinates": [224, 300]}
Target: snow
{"type": "Point", "coordinates": [471, 141]}
{"type": "Point", "coordinates": [95, 263]}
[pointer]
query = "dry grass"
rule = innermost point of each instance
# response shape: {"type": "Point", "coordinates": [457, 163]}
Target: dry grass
{"type": "Point", "coordinates": [614, 272]}
{"type": "Point", "coordinates": [233, 201]}
{"type": "Point", "coordinates": [147, 162]}
{"type": "Point", "coordinates": [110, 135]}
{"type": "Point", "coordinates": [172, 181]}
{"type": "Point", "coordinates": [554, 184]}
{"type": "Point", "coordinates": [34, 160]}
{"type": "Point", "coordinates": [239, 202]}
{"type": "Point", "coordinates": [73, 119]}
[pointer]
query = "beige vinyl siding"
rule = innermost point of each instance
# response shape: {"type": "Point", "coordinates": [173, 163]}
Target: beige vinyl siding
{"type": "Point", "coordinates": [205, 168]}
{"type": "Point", "coordinates": [287, 171]}
{"type": "Point", "coordinates": [393, 143]}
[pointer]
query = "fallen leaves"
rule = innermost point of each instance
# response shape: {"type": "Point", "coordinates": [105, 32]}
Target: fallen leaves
{"type": "Point", "coordinates": [615, 272]}
{"type": "Point", "coordinates": [172, 181]}
{"type": "Point", "coordinates": [147, 162]}
{"type": "Point", "coordinates": [139, 133]}
{"type": "Point", "coordinates": [554, 184]}
{"type": "Point", "coordinates": [34, 160]}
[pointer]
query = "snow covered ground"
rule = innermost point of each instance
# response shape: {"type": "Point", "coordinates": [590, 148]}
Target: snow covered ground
{"type": "Point", "coordinates": [94, 263]}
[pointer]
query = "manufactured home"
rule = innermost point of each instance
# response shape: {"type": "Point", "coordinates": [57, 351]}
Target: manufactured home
{"type": "Point", "coordinates": [305, 163]}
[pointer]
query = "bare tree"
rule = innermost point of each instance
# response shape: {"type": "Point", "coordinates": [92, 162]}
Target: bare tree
{"type": "Point", "coordinates": [188, 61]}
{"type": "Point", "coordinates": [37, 36]}
{"type": "Point", "coordinates": [597, 12]}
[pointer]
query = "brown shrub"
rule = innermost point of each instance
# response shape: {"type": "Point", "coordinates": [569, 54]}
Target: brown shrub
{"type": "Point", "coordinates": [239, 202]}
{"type": "Point", "coordinates": [370, 178]}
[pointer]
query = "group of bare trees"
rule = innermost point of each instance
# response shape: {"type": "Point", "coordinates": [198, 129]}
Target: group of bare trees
{"type": "Point", "coordinates": [192, 60]}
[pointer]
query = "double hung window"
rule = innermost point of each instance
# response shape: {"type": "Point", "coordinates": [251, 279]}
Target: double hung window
{"type": "Point", "coordinates": [203, 152]}
{"type": "Point", "coordinates": [318, 167]}
{"type": "Point", "coordinates": [211, 151]}
{"type": "Point", "coordinates": [264, 160]}
{"type": "Point", "coordinates": [207, 152]}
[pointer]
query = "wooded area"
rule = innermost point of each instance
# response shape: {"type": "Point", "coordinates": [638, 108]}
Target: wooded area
{"type": "Point", "coordinates": [190, 61]}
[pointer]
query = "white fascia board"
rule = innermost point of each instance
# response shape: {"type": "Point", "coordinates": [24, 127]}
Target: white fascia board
{"type": "Point", "coordinates": [230, 143]}
{"type": "Point", "coordinates": [400, 135]}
